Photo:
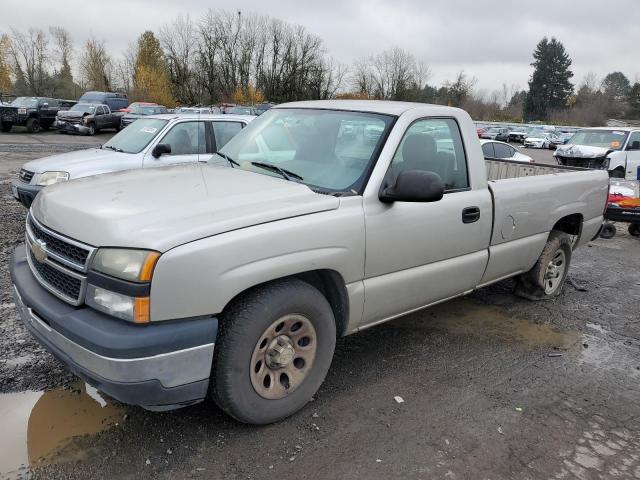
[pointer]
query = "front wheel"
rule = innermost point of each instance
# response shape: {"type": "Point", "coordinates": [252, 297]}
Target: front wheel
{"type": "Point", "coordinates": [33, 125]}
{"type": "Point", "coordinates": [92, 129]}
{"type": "Point", "coordinates": [608, 231]}
{"type": "Point", "coordinates": [273, 351]}
{"type": "Point", "coordinates": [6, 126]}
{"type": "Point", "coordinates": [546, 279]}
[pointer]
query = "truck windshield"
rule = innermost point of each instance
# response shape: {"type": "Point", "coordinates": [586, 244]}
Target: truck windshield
{"type": "Point", "coordinates": [331, 150]}
{"type": "Point", "coordinates": [25, 102]}
{"type": "Point", "coordinates": [83, 107]}
{"type": "Point", "coordinates": [137, 136]}
{"type": "Point", "coordinates": [609, 139]}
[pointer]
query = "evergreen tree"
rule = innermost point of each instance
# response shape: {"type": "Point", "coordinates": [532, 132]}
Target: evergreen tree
{"type": "Point", "coordinates": [616, 86]}
{"type": "Point", "coordinates": [549, 86]}
{"type": "Point", "coordinates": [634, 101]}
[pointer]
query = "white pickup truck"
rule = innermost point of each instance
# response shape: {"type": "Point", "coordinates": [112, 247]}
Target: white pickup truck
{"type": "Point", "coordinates": [163, 286]}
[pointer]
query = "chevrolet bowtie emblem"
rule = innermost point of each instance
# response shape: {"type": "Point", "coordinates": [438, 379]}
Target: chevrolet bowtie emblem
{"type": "Point", "coordinates": [38, 248]}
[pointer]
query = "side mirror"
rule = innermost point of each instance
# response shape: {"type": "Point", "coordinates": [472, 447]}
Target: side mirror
{"type": "Point", "coordinates": [160, 149]}
{"type": "Point", "coordinates": [414, 186]}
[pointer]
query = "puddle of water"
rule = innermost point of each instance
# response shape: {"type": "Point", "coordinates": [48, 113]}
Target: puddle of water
{"type": "Point", "coordinates": [37, 425]}
{"type": "Point", "coordinates": [469, 318]}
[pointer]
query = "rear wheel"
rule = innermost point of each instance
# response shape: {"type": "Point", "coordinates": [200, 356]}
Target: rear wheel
{"type": "Point", "coordinates": [33, 125]}
{"type": "Point", "coordinates": [617, 173]}
{"type": "Point", "coordinates": [546, 279]}
{"type": "Point", "coordinates": [634, 229]}
{"type": "Point", "coordinates": [608, 231]}
{"type": "Point", "coordinates": [273, 351]}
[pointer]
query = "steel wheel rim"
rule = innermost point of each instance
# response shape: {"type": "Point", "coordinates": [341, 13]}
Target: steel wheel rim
{"type": "Point", "coordinates": [555, 272]}
{"type": "Point", "coordinates": [283, 356]}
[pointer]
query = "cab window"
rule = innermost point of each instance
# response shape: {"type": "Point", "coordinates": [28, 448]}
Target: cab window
{"type": "Point", "coordinates": [186, 138]}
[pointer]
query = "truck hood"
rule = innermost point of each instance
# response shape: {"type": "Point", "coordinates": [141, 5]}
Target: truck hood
{"type": "Point", "coordinates": [67, 114]}
{"type": "Point", "coordinates": [581, 151]}
{"type": "Point", "coordinates": [80, 163]}
{"type": "Point", "coordinates": [160, 208]}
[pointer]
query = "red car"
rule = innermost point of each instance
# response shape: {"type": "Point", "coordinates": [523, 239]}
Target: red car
{"type": "Point", "coordinates": [480, 131]}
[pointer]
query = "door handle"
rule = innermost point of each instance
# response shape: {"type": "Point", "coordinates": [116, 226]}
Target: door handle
{"type": "Point", "coordinates": [470, 215]}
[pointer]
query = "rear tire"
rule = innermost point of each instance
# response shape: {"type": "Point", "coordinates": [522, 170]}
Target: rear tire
{"type": "Point", "coordinates": [546, 279]}
{"type": "Point", "coordinates": [617, 173]}
{"type": "Point", "coordinates": [245, 381]}
{"type": "Point", "coordinates": [33, 125]}
{"type": "Point", "coordinates": [608, 231]}
{"type": "Point", "coordinates": [634, 229]}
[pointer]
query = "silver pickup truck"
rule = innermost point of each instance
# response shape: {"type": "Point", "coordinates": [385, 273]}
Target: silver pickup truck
{"type": "Point", "coordinates": [163, 286]}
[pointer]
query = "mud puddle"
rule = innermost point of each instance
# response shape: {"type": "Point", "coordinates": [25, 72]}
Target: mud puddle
{"type": "Point", "coordinates": [468, 318]}
{"type": "Point", "coordinates": [39, 426]}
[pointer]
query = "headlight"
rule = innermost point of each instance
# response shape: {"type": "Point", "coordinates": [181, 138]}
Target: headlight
{"type": "Point", "coordinates": [49, 178]}
{"type": "Point", "coordinates": [132, 309]}
{"type": "Point", "coordinates": [132, 265]}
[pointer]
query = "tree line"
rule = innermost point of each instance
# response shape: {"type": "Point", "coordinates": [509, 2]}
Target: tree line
{"type": "Point", "coordinates": [226, 56]}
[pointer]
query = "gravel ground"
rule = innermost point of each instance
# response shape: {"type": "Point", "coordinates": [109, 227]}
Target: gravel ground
{"type": "Point", "coordinates": [493, 387]}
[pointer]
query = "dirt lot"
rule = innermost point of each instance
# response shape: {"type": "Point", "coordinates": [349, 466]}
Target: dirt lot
{"type": "Point", "coordinates": [494, 387]}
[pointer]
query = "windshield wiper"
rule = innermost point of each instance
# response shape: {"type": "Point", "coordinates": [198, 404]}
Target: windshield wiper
{"type": "Point", "coordinates": [231, 161]}
{"type": "Point", "coordinates": [286, 174]}
{"type": "Point", "coordinates": [115, 149]}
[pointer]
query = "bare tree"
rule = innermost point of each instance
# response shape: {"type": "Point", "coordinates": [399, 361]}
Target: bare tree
{"type": "Point", "coordinates": [96, 66]}
{"type": "Point", "coordinates": [30, 57]}
{"type": "Point", "coordinates": [180, 46]}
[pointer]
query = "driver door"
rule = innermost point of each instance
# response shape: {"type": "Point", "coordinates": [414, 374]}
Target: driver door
{"type": "Point", "coordinates": [188, 140]}
{"type": "Point", "coordinates": [420, 253]}
{"type": "Point", "coordinates": [633, 157]}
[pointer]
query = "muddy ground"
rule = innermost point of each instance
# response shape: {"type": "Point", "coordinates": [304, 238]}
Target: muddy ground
{"type": "Point", "coordinates": [494, 387]}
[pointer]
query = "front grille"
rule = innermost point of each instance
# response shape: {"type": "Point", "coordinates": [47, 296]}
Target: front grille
{"type": "Point", "coordinates": [55, 245]}
{"type": "Point", "coordinates": [600, 162]}
{"type": "Point", "coordinates": [25, 175]}
{"type": "Point", "coordinates": [54, 278]}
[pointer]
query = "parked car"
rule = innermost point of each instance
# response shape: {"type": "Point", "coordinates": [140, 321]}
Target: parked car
{"type": "Point", "coordinates": [480, 131]}
{"type": "Point", "coordinates": [241, 111]}
{"type": "Point", "coordinates": [495, 133]}
{"type": "Point", "coordinates": [153, 141]}
{"type": "Point", "coordinates": [35, 113]}
{"type": "Point", "coordinates": [139, 110]}
{"type": "Point", "coordinates": [115, 101]}
{"type": "Point", "coordinates": [614, 149]}
{"type": "Point", "coordinates": [517, 134]}
{"type": "Point", "coordinates": [263, 107]}
{"type": "Point", "coordinates": [503, 151]}
{"type": "Point", "coordinates": [163, 286]}
{"type": "Point", "coordinates": [539, 139]}
{"type": "Point", "coordinates": [88, 119]}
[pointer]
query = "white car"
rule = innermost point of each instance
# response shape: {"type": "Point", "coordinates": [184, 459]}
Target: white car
{"type": "Point", "coordinates": [503, 151]}
{"type": "Point", "coordinates": [539, 139]}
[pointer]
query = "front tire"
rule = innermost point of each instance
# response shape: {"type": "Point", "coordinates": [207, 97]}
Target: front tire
{"type": "Point", "coordinates": [33, 125]}
{"type": "Point", "coordinates": [92, 129]}
{"type": "Point", "coordinates": [6, 126]}
{"type": "Point", "coordinates": [273, 351]}
{"type": "Point", "coordinates": [608, 231]}
{"type": "Point", "coordinates": [546, 279]}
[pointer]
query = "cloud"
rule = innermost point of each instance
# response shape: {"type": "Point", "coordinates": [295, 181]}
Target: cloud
{"type": "Point", "coordinates": [491, 40]}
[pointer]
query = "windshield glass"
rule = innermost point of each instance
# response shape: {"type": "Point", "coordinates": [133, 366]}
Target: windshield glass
{"type": "Point", "coordinates": [26, 102]}
{"type": "Point", "coordinates": [137, 136]}
{"type": "Point", "coordinates": [148, 110]}
{"type": "Point", "coordinates": [83, 107]}
{"type": "Point", "coordinates": [610, 139]}
{"type": "Point", "coordinates": [331, 150]}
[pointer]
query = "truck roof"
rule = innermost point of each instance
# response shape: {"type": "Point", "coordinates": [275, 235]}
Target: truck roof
{"type": "Point", "coordinates": [202, 116]}
{"type": "Point", "coordinates": [373, 106]}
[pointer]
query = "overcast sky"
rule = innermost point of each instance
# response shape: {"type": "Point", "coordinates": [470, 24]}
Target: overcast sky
{"type": "Point", "coordinates": [491, 40]}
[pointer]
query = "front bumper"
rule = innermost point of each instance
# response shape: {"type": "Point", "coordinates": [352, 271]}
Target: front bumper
{"type": "Point", "coordinates": [24, 192]}
{"type": "Point", "coordinates": [71, 127]}
{"type": "Point", "coordinates": [158, 366]}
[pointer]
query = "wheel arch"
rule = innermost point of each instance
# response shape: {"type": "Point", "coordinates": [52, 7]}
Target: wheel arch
{"type": "Point", "coordinates": [571, 225]}
{"type": "Point", "coordinates": [329, 282]}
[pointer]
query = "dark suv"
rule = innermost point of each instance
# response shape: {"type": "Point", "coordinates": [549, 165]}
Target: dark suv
{"type": "Point", "coordinates": [35, 113]}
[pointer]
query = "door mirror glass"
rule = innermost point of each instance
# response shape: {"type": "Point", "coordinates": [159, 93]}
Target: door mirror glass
{"type": "Point", "coordinates": [414, 186]}
{"type": "Point", "coordinates": [161, 149]}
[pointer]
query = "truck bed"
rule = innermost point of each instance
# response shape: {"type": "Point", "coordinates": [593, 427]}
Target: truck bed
{"type": "Point", "coordinates": [504, 169]}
